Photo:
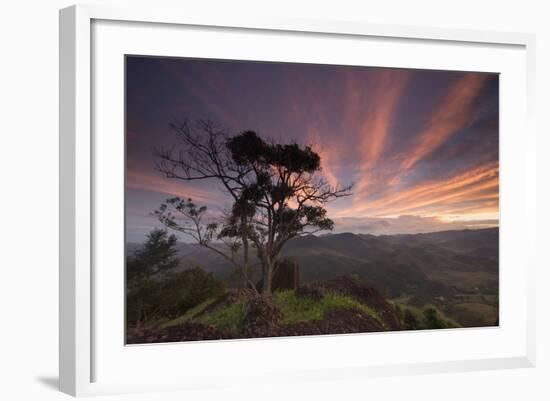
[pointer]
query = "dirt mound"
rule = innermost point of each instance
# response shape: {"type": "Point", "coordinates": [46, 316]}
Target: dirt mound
{"type": "Point", "coordinates": [261, 318]}
{"type": "Point", "coordinates": [364, 294]}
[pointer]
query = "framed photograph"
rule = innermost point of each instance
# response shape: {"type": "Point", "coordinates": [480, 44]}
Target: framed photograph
{"type": "Point", "coordinates": [291, 199]}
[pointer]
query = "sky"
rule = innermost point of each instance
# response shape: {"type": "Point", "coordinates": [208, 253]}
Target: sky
{"type": "Point", "coordinates": [419, 146]}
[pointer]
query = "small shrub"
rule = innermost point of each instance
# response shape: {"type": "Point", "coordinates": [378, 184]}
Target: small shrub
{"type": "Point", "coordinates": [187, 289]}
{"type": "Point", "coordinates": [143, 302]}
{"type": "Point", "coordinates": [398, 312]}
{"type": "Point", "coordinates": [355, 276]}
{"type": "Point", "coordinates": [410, 322]}
{"type": "Point", "coordinates": [432, 319]}
{"type": "Point", "coordinates": [170, 295]}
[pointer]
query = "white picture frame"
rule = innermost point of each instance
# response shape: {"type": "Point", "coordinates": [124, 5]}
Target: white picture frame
{"type": "Point", "coordinates": [78, 225]}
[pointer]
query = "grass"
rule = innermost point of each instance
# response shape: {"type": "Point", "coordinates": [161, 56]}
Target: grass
{"type": "Point", "coordinates": [298, 309]}
{"type": "Point", "coordinates": [293, 308]}
{"type": "Point", "coordinates": [229, 317]}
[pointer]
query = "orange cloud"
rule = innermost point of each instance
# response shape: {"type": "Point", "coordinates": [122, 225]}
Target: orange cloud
{"type": "Point", "coordinates": [489, 207]}
{"type": "Point", "coordinates": [476, 175]}
{"type": "Point", "coordinates": [376, 119]}
{"type": "Point", "coordinates": [477, 185]}
{"type": "Point", "coordinates": [328, 156]}
{"type": "Point", "coordinates": [375, 127]}
{"type": "Point", "coordinates": [441, 196]}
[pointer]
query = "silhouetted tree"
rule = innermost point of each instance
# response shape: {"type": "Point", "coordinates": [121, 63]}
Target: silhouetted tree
{"type": "Point", "coordinates": [158, 253]}
{"type": "Point", "coordinates": [276, 190]}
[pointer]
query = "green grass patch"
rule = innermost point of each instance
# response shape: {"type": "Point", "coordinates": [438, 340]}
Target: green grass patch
{"type": "Point", "coordinates": [298, 309]}
{"type": "Point", "coordinates": [228, 317]}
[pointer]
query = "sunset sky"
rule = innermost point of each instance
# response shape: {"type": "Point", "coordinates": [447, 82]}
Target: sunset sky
{"type": "Point", "coordinates": [420, 146]}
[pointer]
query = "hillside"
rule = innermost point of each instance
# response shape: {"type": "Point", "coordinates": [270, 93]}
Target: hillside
{"type": "Point", "coordinates": [338, 306]}
{"type": "Point", "coordinates": [455, 271]}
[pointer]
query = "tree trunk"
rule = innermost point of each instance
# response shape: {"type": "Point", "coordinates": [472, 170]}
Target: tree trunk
{"type": "Point", "coordinates": [245, 263]}
{"type": "Point", "coordinates": [268, 277]}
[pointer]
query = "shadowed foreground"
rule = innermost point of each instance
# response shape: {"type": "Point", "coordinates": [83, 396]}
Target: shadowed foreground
{"type": "Point", "coordinates": [338, 306]}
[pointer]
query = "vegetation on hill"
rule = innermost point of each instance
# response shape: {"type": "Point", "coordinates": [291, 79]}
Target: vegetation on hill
{"type": "Point", "coordinates": [429, 317]}
{"type": "Point", "coordinates": [295, 308]}
{"type": "Point", "coordinates": [155, 290]}
{"type": "Point", "coordinates": [172, 302]}
{"type": "Point", "coordinates": [454, 271]}
{"type": "Point", "coordinates": [309, 310]}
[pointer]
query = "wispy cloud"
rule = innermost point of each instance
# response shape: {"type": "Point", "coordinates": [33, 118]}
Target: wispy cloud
{"type": "Point", "coordinates": [440, 197]}
{"type": "Point", "coordinates": [379, 117]}
{"type": "Point", "coordinates": [374, 118]}
{"type": "Point", "coordinates": [454, 113]}
{"type": "Point", "coordinates": [206, 94]}
{"type": "Point", "coordinates": [157, 183]}
{"type": "Point", "coordinates": [329, 156]}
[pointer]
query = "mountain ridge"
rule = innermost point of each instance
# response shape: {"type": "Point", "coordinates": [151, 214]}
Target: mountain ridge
{"type": "Point", "coordinates": [456, 270]}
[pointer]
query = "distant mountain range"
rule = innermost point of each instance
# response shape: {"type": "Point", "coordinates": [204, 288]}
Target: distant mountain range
{"type": "Point", "coordinates": [456, 271]}
{"type": "Point", "coordinates": [427, 265]}
{"type": "Point", "coordinates": [435, 264]}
